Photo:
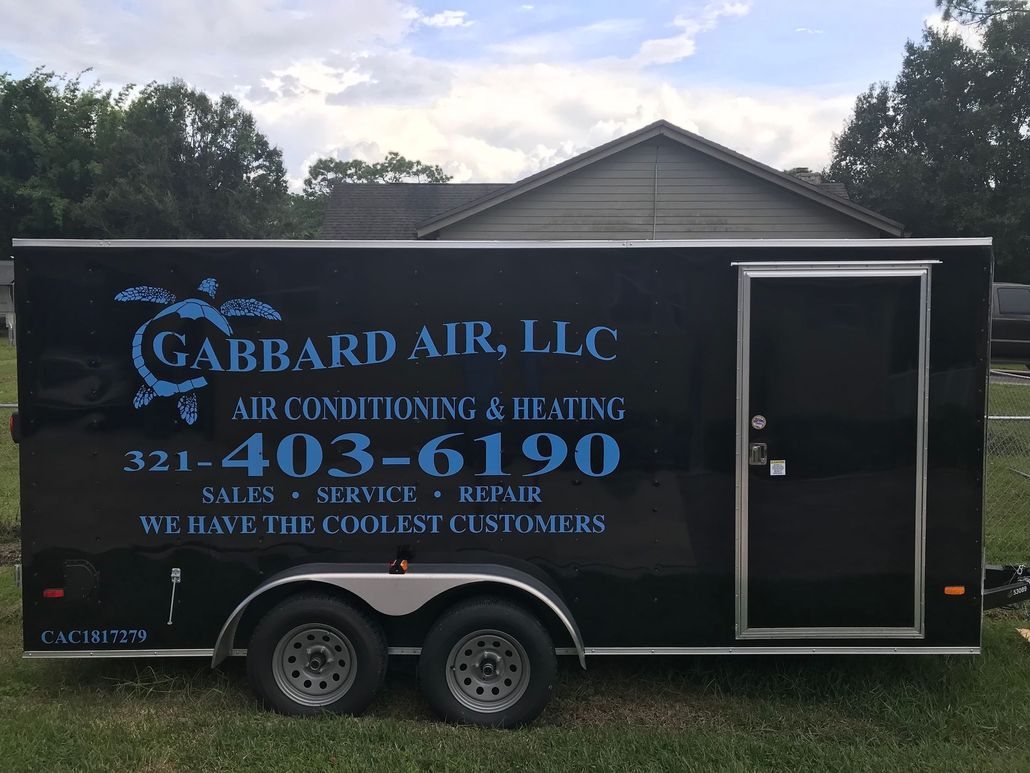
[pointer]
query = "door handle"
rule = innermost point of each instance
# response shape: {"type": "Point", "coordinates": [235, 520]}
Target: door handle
{"type": "Point", "coordinates": [757, 455]}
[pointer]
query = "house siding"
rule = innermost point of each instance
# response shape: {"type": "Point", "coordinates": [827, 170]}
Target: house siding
{"type": "Point", "coordinates": [658, 189]}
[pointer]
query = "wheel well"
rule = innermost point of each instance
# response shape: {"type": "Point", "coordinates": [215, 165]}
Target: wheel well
{"type": "Point", "coordinates": [406, 630]}
{"type": "Point", "coordinates": [261, 605]}
{"type": "Point", "coordinates": [438, 605]}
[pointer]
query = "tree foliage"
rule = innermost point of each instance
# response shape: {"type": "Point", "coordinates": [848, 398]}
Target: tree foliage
{"type": "Point", "coordinates": [981, 11]}
{"type": "Point", "coordinates": [325, 173]}
{"type": "Point", "coordinates": [178, 164]}
{"type": "Point", "coordinates": [48, 154]}
{"type": "Point", "coordinates": [945, 149]}
{"type": "Point", "coordinates": [165, 162]}
{"type": "Point", "coordinates": [308, 210]}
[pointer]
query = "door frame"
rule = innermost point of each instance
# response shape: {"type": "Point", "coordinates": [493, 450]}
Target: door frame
{"type": "Point", "coordinates": [746, 273]}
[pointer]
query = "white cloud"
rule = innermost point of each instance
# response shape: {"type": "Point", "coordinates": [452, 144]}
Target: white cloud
{"type": "Point", "coordinates": [684, 44]}
{"type": "Point", "coordinates": [971, 34]}
{"type": "Point", "coordinates": [566, 44]}
{"type": "Point", "coordinates": [218, 45]}
{"type": "Point", "coordinates": [809, 31]}
{"type": "Point", "coordinates": [340, 78]}
{"type": "Point", "coordinates": [498, 123]}
{"type": "Point", "coordinates": [447, 19]}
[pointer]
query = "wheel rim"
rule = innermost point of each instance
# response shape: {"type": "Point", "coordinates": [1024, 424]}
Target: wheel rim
{"type": "Point", "coordinates": [314, 664]}
{"type": "Point", "coordinates": [488, 671]}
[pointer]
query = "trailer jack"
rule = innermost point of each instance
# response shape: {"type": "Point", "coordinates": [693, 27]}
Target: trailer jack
{"type": "Point", "coordinates": [1005, 585]}
{"type": "Point", "coordinates": [176, 579]}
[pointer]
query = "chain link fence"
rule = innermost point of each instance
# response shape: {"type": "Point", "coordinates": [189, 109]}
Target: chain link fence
{"type": "Point", "coordinates": [1007, 516]}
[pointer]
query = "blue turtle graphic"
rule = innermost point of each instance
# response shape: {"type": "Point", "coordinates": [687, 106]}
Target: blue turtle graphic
{"type": "Point", "coordinates": [190, 308]}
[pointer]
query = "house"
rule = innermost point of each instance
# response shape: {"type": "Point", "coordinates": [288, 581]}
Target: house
{"type": "Point", "coordinates": [660, 182]}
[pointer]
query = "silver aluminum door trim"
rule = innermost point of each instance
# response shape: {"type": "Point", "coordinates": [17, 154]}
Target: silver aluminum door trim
{"type": "Point", "coordinates": [745, 273]}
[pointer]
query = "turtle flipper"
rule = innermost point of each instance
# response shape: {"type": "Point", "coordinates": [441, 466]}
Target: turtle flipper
{"type": "Point", "coordinates": [143, 396]}
{"type": "Point", "coordinates": [248, 307]}
{"type": "Point", "coordinates": [209, 286]}
{"type": "Point", "coordinates": [188, 407]}
{"type": "Point", "coordinates": [146, 293]}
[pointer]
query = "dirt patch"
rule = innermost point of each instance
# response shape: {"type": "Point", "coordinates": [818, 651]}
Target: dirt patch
{"type": "Point", "coordinates": [10, 553]}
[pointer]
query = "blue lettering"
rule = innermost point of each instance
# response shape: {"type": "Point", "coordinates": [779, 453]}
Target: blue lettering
{"type": "Point", "coordinates": [241, 355]}
{"type": "Point", "coordinates": [559, 347]}
{"type": "Point", "coordinates": [310, 355]}
{"type": "Point", "coordinates": [207, 354]}
{"type": "Point", "coordinates": [528, 345]}
{"type": "Point", "coordinates": [592, 341]}
{"type": "Point", "coordinates": [424, 343]}
{"type": "Point", "coordinates": [274, 359]}
{"type": "Point", "coordinates": [389, 346]}
{"type": "Point", "coordinates": [159, 352]}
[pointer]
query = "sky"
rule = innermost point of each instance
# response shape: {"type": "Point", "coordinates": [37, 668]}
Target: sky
{"type": "Point", "coordinates": [491, 91]}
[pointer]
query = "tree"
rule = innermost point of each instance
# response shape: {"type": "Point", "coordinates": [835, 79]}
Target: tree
{"type": "Point", "coordinates": [48, 154]}
{"type": "Point", "coordinates": [175, 164]}
{"type": "Point", "coordinates": [946, 148]}
{"type": "Point", "coordinates": [308, 210]}
{"type": "Point", "coordinates": [325, 173]}
{"type": "Point", "coordinates": [981, 11]}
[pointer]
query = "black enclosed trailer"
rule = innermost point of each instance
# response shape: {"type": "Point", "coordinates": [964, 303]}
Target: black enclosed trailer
{"type": "Point", "coordinates": [485, 454]}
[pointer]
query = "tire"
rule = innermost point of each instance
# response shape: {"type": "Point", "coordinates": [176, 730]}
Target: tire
{"type": "Point", "coordinates": [338, 657]}
{"type": "Point", "coordinates": [488, 662]}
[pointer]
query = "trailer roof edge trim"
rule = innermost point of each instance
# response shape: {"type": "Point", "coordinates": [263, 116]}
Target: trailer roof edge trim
{"type": "Point", "coordinates": [517, 244]}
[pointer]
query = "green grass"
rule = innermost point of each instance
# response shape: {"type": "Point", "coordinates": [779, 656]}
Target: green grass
{"type": "Point", "coordinates": [818, 713]}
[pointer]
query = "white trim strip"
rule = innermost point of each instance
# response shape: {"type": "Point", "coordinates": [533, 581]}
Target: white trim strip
{"type": "Point", "coordinates": [169, 653]}
{"type": "Point", "coordinates": [141, 653]}
{"type": "Point", "coordinates": [848, 263]}
{"type": "Point", "coordinates": [519, 244]}
{"type": "Point", "coordinates": [760, 650]}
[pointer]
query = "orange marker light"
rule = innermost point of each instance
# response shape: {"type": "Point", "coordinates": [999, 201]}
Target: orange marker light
{"type": "Point", "coordinates": [954, 590]}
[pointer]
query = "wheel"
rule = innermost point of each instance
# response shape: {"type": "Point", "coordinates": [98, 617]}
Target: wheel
{"type": "Point", "coordinates": [316, 653]}
{"type": "Point", "coordinates": [488, 662]}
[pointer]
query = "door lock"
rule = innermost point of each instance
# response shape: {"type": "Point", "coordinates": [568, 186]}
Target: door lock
{"type": "Point", "coordinates": [757, 455]}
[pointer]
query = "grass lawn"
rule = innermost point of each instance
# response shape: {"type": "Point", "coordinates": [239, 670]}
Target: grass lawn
{"type": "Point", "coordinates": [819, 713]}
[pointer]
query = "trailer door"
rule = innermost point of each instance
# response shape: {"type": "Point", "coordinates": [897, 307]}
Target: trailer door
{"type": "Point", "coordinates": [831, 452]}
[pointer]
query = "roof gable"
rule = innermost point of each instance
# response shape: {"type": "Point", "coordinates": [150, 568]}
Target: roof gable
{"type": "Point", "coordinates": [393, 210]}
{"type": "Point", "coordinates": [689, 140]}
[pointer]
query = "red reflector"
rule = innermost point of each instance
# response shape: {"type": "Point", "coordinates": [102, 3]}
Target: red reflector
{"type": "Point", "coordinates": [53, 593]}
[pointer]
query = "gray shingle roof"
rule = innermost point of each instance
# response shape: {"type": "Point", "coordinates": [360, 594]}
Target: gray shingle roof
{"type": "Point", "coordinates": [696, 142]}
{"type": "Point", "coordinates": [392, 210]}
{"type": "Point", "coordinates": [835, 189]}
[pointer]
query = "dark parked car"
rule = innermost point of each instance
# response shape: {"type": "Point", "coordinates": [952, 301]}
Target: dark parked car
{"type": "Point", "coordinates": [1010, 318]}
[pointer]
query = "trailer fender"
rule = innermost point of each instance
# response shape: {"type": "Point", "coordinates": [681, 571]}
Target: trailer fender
{"type": "Point", "coordinates": [402, 594]}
